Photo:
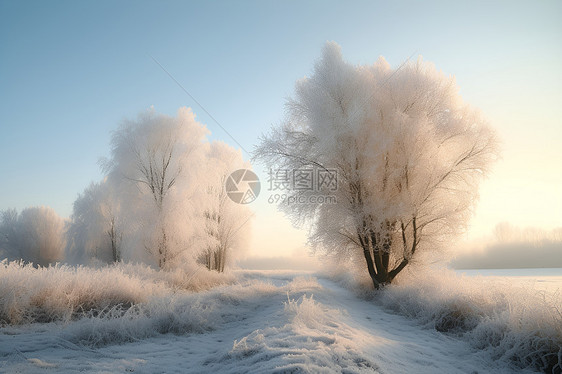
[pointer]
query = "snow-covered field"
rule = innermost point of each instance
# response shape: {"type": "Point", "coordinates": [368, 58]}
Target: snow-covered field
{"type": "Point", "coordinates": [251, 322]}
{"type": "Point", "coordinates": [548, 280]}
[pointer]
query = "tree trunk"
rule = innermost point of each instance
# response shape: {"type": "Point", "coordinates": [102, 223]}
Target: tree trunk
{"type": "Point", "coordinates": [162, 250]}
{"type": "Point", "coordinates": [223, 259]}
{"type": "Point", "coordinates": [114, 237]}
{"type": "Point", "coordinates": [377, 258]}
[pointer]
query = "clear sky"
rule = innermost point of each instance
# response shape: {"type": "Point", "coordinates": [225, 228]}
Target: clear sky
{"type": "Point", "coordinates": [70, 71]}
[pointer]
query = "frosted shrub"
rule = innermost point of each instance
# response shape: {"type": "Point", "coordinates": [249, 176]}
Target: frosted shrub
{"type": "Point", "coordinates": [64, 293]}
{"type": "Point", "coordinates": [306, 312]}
{"type": "Point", "coordinates": [185, 314]}
{"type": "Point", "coordinates": [510, 322]}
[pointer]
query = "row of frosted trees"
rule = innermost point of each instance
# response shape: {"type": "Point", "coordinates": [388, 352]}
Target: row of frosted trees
{"type": "Point", "coordinates": [408, 152]}
{"type": "Point", "coordinates": [162, 202]}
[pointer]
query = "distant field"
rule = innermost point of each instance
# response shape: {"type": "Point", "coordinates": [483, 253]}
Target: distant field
{"type": "Point", "coordinates": [544, 279]}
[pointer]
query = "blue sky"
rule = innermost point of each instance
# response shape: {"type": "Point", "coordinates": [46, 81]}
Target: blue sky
{"type": "Point", "coordinates": [70, 71]}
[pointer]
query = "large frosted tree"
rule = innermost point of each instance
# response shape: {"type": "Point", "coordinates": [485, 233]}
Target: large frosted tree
{"type": "Point", "coordinates": [407, 151]}
{"type": "Point", "coordinates": [154, 167]}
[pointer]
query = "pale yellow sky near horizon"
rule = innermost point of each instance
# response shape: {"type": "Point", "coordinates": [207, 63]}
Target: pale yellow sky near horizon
{"type": "Point", "coordinates": [525, 186]}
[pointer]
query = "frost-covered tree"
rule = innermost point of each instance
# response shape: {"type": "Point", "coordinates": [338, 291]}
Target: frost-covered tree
{"type": "Point", "coordinates": [9, 234]}
{"type": "Point", "coordinates": [407, 151]}
{"type": "Point", "coordinates": [162, 201]}
{"type": "Point", "coordinates": [35, 235]}
{"type": "Point", "coordinates": [226, 223]}
{"type": "Point", "coordinates": [94, 230]}
{"type": "Point", "coordinates": [155, 163]}
{"type": "Point", "coordinates": [505, 232]}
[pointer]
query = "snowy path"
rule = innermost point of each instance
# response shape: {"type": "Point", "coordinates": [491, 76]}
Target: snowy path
{"type": "Point", "coordinates": [269, 322]}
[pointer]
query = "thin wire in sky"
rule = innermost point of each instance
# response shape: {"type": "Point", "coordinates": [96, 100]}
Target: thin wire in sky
{"type": "Point", "coordinates": [227, 132]}
{"type": "Point", "coordinates": [198, 103]}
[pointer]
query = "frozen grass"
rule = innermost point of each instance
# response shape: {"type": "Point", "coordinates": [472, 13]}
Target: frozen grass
{"type": "Point", "coordinates": [511, 321]}
{"type": "Point", "coordinates": [125, 303]}
{"type": "Point", "coordinates": [64, 293]}
{"type": "Point", "coordinates": [504, 323]}
{"type": "Point", "coordinates": [128, 303]}
{"type": "Point", "coordinates": [262, 323]}
{"type": "Point", "coordinates": [180, 314]}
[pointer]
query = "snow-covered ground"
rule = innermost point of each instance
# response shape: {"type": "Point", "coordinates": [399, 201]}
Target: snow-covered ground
{"type": "Point", "coordinates": [265, 322]}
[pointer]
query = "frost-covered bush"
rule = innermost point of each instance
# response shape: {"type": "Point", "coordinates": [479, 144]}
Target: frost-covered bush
{"type": "Point", "coordinates": [64, 293]}
{"type": "Point", "coordinates": [512, 322]}
{"type": "Point", "coordinates": [176, 313]}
